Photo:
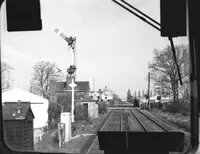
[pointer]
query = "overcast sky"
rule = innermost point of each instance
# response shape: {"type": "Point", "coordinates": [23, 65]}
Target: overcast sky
{"type": "Point", "coordinates": [113, 45]}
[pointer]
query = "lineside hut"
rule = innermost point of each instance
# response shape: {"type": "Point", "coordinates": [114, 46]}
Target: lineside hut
{"type": "Point", "coordinates": [39, 107]}
{"type": "Point", "coordinates": [90, 106]}
{"type": "Point", "coordinates": [18, 125]}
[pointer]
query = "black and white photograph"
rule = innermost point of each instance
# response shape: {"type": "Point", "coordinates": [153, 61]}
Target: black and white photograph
{"type": "Point", "coordinates": [100, 76]}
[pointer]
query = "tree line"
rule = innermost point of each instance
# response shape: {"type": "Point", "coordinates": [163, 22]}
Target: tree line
{"type": "Point", "coordinates": [164, 75]}
{"type": "Point", "coordinates": [44, 73]}
{"type": "Point", "coordinates": [5, 75]}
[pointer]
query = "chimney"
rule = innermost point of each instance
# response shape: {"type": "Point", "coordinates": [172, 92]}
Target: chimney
{"type": "Point", "coordinates": [19, 108]}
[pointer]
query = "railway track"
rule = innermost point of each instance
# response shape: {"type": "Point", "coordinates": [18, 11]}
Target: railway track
{"type": "Point", "coordinates": [113, 123]}
{"type": "Point", "coordinates": [147, 123]}
{"type": "Point", "coordinates": [94, 147]}
{"type": "Point", "coordinates": [127, 120]}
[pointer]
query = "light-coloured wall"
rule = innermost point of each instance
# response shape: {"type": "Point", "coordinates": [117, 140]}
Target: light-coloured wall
{"type": "Point", "coordinates": [92, 109]}
{"type": "Point", "coordinates": [107, 96]}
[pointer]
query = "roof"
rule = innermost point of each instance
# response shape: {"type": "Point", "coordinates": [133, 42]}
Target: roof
{"type": "Point", "coordinates": [57, 86]}
{"type": "Point", "coordinates": [60, 86]}
{"type": "Point", "coordinates": [82, 86]}
{"type": "Point", "coordinates": [107, 90]}
{"type": "Point", "coordinates": [10, 110]}
{"type": "Point", "coordinates": [16, 94]}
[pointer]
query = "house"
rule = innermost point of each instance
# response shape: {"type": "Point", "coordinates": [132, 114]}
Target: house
{"type": "Point", "coordinates": [18, 125]}
{"type": "Point", "coordinates": [82, 86]}
{"type": "Point", "coordinates": [155, 99]}
{"type": "Point", "coordinates": [61, 88]}
{"type": "Point", "coordinates": [94, 95]}
{"type": "Point", "coordinates": [107, 94]}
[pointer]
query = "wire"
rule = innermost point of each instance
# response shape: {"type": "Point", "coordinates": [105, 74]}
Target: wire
{"type": "Point", "coordinates": [142, 18]}
{"type": "Point", "coordinates": [141, 13]}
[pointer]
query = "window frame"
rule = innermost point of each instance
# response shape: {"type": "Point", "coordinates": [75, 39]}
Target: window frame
{"type": "Point", "coordinates": [194, 82]}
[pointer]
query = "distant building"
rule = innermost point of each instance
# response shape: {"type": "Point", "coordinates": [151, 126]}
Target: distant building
{"type": "Point", "coordinates": [62, 88]}
{"type": "Point", "coordinates": [107, 94]}
{"type": "Point", "coordinates": [82, 86]}
{"type": "Point", "coordinates": [91, 107]}
{"type": "Point", "coordinates": [94, 95]}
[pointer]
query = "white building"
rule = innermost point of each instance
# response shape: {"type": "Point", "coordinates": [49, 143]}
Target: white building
{"type": "Point", "coordinates": [94, 95]}
{"type": "Point", "coordinates": [91, 107]}
{"type": "Point", "coordinates": [39, 105]}
{"type": "Point", "coordinates": [107, 94]}
{"type": "Point", "coordinates": [154, 99]}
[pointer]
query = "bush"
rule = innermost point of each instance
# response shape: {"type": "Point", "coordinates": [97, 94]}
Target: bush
{"type": "Point", "coordinates": [54, 112]}
{"type": "Point", "coordinates": [176, 118]}
{"type": "Point", "coordinates": [111, 103]}
{"type": "Point", "coordinates": [178, 107]}
{"type": "Point", "coordinates": [55, 138]}
{"type": "Point", "coordinates": [173, 107]}
{"type": "Point", "coordinates": [81, 113]}
{"type": "Point", "coordinates": [103, 107]}
{"type": "Point", "coordinates": [65, 101]}
{"type": "Point", "coordinates": [45, 129]}
{"type": "Point", "coordinates": [52, 125]}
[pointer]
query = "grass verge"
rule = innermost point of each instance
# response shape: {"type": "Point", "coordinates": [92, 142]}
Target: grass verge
{"type": "Point", "coordinates": [182, 122]}
{"type": "Point", "coordinates": [77, 145]}
{"type": "Point", "coordinates": [91, 139]}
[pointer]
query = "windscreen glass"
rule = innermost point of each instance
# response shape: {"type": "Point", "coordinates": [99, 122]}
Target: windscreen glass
{"type": "Point", "coordinates": [94, 67]}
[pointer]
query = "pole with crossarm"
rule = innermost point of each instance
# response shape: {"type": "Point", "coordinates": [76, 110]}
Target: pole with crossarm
{"type": "Point", "coordinates": [72, 85]}
{"type": "Point", "coordinates": [71, 71]}
{"type": "Point", "coordinates": [72, 43]}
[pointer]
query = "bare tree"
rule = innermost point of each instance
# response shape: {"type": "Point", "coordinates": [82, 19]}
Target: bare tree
{"type": "Point", "coordinates": [129, 96]}
{"type": "Point", "coordinates": [5, 78]}
{"type": "Point", "coordinates": [164, 72]}
{"type": "Point", "coordinates": [44, 73]}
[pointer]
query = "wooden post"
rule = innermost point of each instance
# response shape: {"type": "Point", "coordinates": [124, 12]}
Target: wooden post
{"type": "Point", "coordinates": [149, 90]}
{"type": "Point", "coordinates": [59, 136]}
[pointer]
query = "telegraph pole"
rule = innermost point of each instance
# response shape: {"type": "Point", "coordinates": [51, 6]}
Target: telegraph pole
{"type": "Point", "coordinates": [149, 90]}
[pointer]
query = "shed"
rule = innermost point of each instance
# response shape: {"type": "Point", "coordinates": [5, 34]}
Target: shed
{"type": "Point", "coordinates": [39, 105]}
{"type": "Point", "coordinates": [18, 125]}
{"type": "Point", "coordinates": [91, 107]}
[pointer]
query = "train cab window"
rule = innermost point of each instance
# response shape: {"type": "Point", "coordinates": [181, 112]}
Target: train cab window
{"type": "Point", "coordinates": [97, 76]}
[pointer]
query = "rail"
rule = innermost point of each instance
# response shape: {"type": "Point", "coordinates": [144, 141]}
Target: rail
{"type": "Point", "coordinates": [138, 120]}
{"type": "Point", "coordinates": [121, 124]}
{"type": "Point", "coordinates": [152, 120]}
{"type": "Point", "coordinates": [94, 141]}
